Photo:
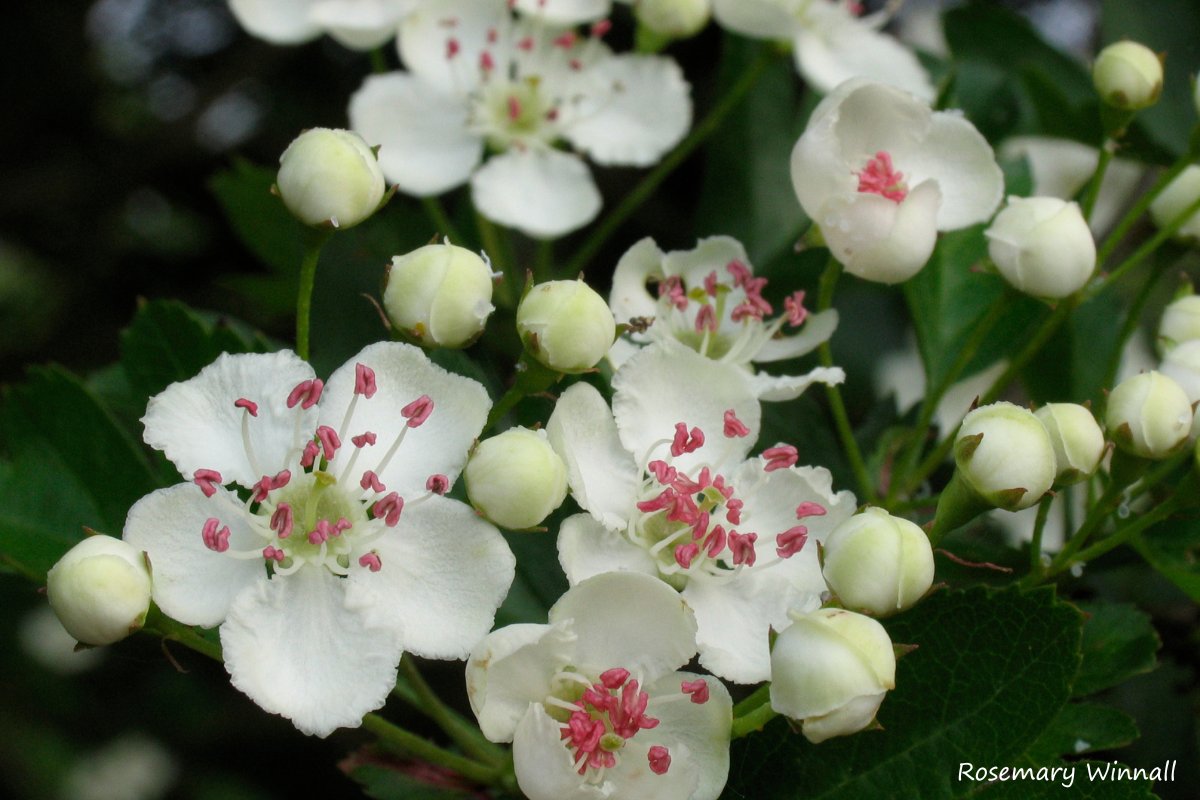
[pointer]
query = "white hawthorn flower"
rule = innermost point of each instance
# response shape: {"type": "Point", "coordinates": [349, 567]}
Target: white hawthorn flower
{"type": "Point", "coordinates": [831, 43]}
{"type": "Point", "coordinates": [478, 80]}
{"type": "Point", "coordinates": [708, 299]}
{"type": "Point", "coordinates": [881, 174]}
{"type": "Point", "coordinates": [594, 703]}
{"type": "Point", "coordinates": [678, 18]}
{"type": "Point", "coordinates": [356, 24]}
{"type": "Point", "coordinates": [668, 491]}
{"type": "Point", "coordinates": [336, 552]}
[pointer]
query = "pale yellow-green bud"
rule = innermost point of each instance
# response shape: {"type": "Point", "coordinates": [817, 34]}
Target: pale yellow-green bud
{"type": "Point", "coordinates": [877, 563]}
{"type": "Point", "coordinates": [1182, 365]}
{"type": "Point", "coordinates": [1128, 76]}
{"type": "Point", "coordinates": [439, 294]}
{"type": "Point", "coordinates": [1042, 246]}
{"type": "Point", "coordinates": [1077, 439]}
{"type": "Point", "coordinates": [830, 670]}
{"type": "Point", "coordinates": [100, 590]}
{"type": "Point", "coordinates": [1149, 416]}
{"type": "Point", "coordinates": [330, 177]}
{"type": "Point", "coordinates": [1180, 323]}
{"type": "Point", "coordinates": [566, 325]}
{"type": "Point", "coordinates": [675, 18]}
{"type": "Point", "coordinates": [1005, 454]}
{"type": "Point", "coordinates": [515, 478]}
{"type": "Point", "coordinates": [1175, 200]}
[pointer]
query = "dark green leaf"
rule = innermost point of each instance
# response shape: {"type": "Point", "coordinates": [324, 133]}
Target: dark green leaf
{"type": "Point", "coordinates": [1173, 548]}
{"type": "Point", "coordinates": [258, 217]}
{"type": "Point", "coordinates": [1073, 364]}
{"type": "Point", "coordinates": [393, 780]}
{"type": "Point", "coordinates": [1118, 642]}
{"type": "Point", "coordinates": [991, 671]}
{"type": "Point", "coordinates": [1083, 728]}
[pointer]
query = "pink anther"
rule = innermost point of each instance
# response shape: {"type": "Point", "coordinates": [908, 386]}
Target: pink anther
{"type": "Point", "coordinates": [698, 689]}
{"type": "Point", "coordinates": [389, 509]}
{"type": "Point", "coordinates": [791, 541]}
{"type": "Point", "coordinates": [526, 44]}
{"type": "Point", "coordinates": [780, 457]}
{"type": "Point", "coordinates": [716, 541]}
{"type": "Point", "coordinates": [329, 440]}
{"type": "Point", "coordinates": [601, 27]}
{"type": "Point", "coordinates": [492, 36]}
{"type": "Point", "coordinates": [364, 381]}
{"type": "Point", "coordinates": [486, 62]}
{"type": "Point", "coordinates": [685, 442]}
{"type": "Point", "coordinates": [710, 284]}
{"type": "Point", "coordinates": [740, 272]}
{"type": "Point", "coordinates": [216, 538]}
{"type": "Point", "coordinates": [371, 481]}
{"type": "Point", "coordinates": [306, 393]}
{"type": "Point", "coordinates": [310, 454]}
{"type": "Point", "coordinates": [733, 511]}
{"type": "Point", "coordinates": [341, 526]}
{"type": "Point", "coordinates": [793, 304]}
{"type": "Point", "coordinates": [614, 678]}
{"type": "Point", "coordinates": [363, 439]}
{"type": "Point", "coordinates": [706, 319]}
{"type": "Point", "coordinates": [514, 108]}
{"type": "Point", "coordinates": [370, 561]}
{"type": "Point", "coordinates": [565, 40]}
{"type": "Point", "coordinates": [208, 480]}
{"type": "Point", "coordinates": [664, 499]}
{"type": "Point", "coordinates": [322, 532]}
{"type": "Point", "coordinates": [686, 553]}
{"type": "Point", "coordinates": [417, 411]}
{"type": "Point", "coordinates": [734, 427]}
{"type": "Point", "coordinates": [741, 545]}
{"type": "Point", "coordinates": [809, 509]}
{"type": "Point", "coordinates": [268, 484]}
{"type": "Point", "coordinates": [273, 553]}
{"type": "Point", "coordinates": [662, 471]}
{"type": "Point", "coordinates": [437, 483]}
{"type": "Point", "coordinates": [660, 759]}
{"type": "Point", "coordinates": [671, 287]}
{"type": "Point", "coordinates": [250, 406]}
{"type": "Point", "coordinates": [880, 177]}
{"type": "Point", "coordinates": [452, 47]}
{"type": "Point", "coordinates": [282, 520]}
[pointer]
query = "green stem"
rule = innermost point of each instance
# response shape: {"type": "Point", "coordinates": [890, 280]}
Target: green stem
{"type": "Point", "coordinates": [752, 701]}
{"type": "Point", "coordinates": [531, 378]}
{"type": "Point", "coordinates": [1148, 247]}
{"type": "Point", "coordinates": [1139, 208]}
{"type": "Point", "coordinates": [1132, 318]}
{"type": "Point", "coordinates": [543, 265]}
{"type": "Point", "coordinates": [499, 250]}
{"type": "Point", "coordinates": [379, 62]}
{"type": "Point", "coordinates": [705, 128]}
{"type": "Point", "coordinates": [841, 419]}
{"type": "Point", "coordinates": [314, 240]}
{"type": "Point", "coordinates": [441, 220]}
{"type": "Point", "coordinates": [1039, 526]}
{"type": "Point", "coordinates": [1127, 532]}
{"type": "Point", "coordinates": [159, 623]}
{"type": "Point", "coordinates": [464, 734]}
{"type": "Point", "coordinates": [753, 712]}
{"type": "Point", "coordinates": [409, 744]}
{"type": "Point", "coordinates": [1093, 188]}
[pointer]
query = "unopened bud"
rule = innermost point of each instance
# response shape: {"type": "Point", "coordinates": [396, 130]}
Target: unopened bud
{"type": "Point", "coordinates": [100, 590]}
{"type": "Point", "coordinates": [566, 325]}
{"type": "Point", "coordinates": [1175, 200]}
{"type": "Point", "coordinates": [1042, 246]}
{"type": "Point", "coordinates": [830, 670]}
{"type": "Point", "coordinates": [1149, 415]}
{"type": "Point", "coordinates": [439, 294]}
{"type": "Point", "coordinates": [1005, 455]}
{"type": "Point", "coordinates": [877, 563]}
{"type": "Point", "coordinates": [675, 18]}
{"type": "Point", "coordinates": [1180, 322]}
{"type": "Point", "coordinates": [1182, 365]}
{"type": "Point", "coordinates": [515, 478]}
{"type": "Point", "coordinates": [1128, 76]}
{"type": "Point", "coordinates": [330, 177]}
{"type": "Point", "coordinates": [1077, 439]}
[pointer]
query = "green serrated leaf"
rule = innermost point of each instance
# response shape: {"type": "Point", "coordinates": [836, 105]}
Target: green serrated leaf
{"type": "Point", "coordinates": [992, 670]}
{"type": "Point", "coordinates": [1083, 728]}
{"type": "Point", "coordinates": [1119, 642]}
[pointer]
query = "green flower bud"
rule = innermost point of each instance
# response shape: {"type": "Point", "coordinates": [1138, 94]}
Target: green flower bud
{"type": "Point", "coordinates": [1175, 199]}
{"type": "Point", "coordinates": [1180, 321]}
{"type": "Point", "coordinates": [1128, 76]}
{"type": "Point", "coordinates": [515, 478]}
{"type": "Point", "coordinates": [330, 177]}
{"type": "Point", "coordinates": [830, 670]}
{"type": "Point", "coordinates": [1004, 454]}
{"type": "Point", "coordinates": [1077, 439]}
{"type": "Point", "coordinates": [1149, 416]}
{"type": "Point", "coordinates": [439, 294]}
{"type": "Point", "coordinates": [877, 563]}
{"type": "Point", "coordinates": [566, 325]}
{"type": "Point", "coordinates": [100, 590]}
{"type": "Point", "coordinates": [1042, 246]}
{"type": "Point", "coordinates": [675, 18]}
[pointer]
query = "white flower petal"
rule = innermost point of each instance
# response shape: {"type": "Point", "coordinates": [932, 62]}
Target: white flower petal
{"type": "Point", "coordinates": [191, 583]}
{"type": "Point", "coordinates": [712, 253]}
{"type": "Point", "coordinates": [817, 329]}
{"type": "Point", "coordinates": [197, 426]}
{"type": "Point", "coordinates": [771, 499]}
{"type": "Point", "coordinates": [827, 55]}
{"type": "Point", "coordinates": [601, 473]}
{"type": "Point", "coordinates": [276, 21]}
{"type": "Point", "coordinates": [510, 669]}
{"type": "Point", "coordinates": [424, 145]}
{"type": "Point", "coordinates": [957, 156]}
{"type": "Point", "coordinates": [759, 19]}
{"type": "Point", "coordinates": [564, 12]}
{"type": "Point", "coordinates": [629, 297]}
{"type": "Point", "coordinates": [632, 776]}
{"type": "Point", "coordinates": [733, 620]}
{"type": "Point", "coordinates": [587, 548]}
{"type": "Point", "coordinates": [773, 388]}
{"type": "Point", "coordinates": [295, 648]}
{"type": "Point", "coordinates": [668, 383]}
{"type": "Point", "coordinates": [542, 193]}
{"type": "Point", "coordinates": [360, 24]}
{"type": "Point", "coordinates": [643, 108]}
{"type": "Point", "coordinates": [878, 239]}
{"type": "Point", "coordinates": [545, 767]}
{"type": "Point", "coordinates": [701, 729]}
{"type": "Point", "coordinates": [630, 620]}
{"type": "Point", "coordinates": [404, 373]}
{"type": "Point", "coordinates": [442, 42]}
{"type": "Point", "coordinates": [445, 572]}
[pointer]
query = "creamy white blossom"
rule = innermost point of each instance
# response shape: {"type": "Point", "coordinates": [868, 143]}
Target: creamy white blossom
{"type": "Point", "coordinates": [1148, 415]}
{"type": "Point", "coordinates": [593, 702]}
{"type": "Point", "coordinates": [1005, 454]}
{"type": "Point", "coordinates": [566, 325]}
{"type": "Point", "coordinates": [1180, 194]}
{"type": "Point", "coordinates": [330, 177]}
{"type": "Point", "coordinates": [1128, 75]}
{"type": "Point", "coordinates": [357, 24]}
{"type": "Point", "coordinates": [340, 551]}
{"type": "Point", "coordinates": [708, 299]}
{"type": "Point", "coordinates": [478, 79]}
{"type": "Point", "coordinates": [831, 43]}
{"type": "Point", "coordinates": [1042, 246]}
{"type": "Point", "coordinates": [669, 491]}
{"type": "Point", "coordinates": [515, 478]}
{"type": "Point", "coordinates": [880, 174]}
{"type": "Point", "coordinates": [439, 294]}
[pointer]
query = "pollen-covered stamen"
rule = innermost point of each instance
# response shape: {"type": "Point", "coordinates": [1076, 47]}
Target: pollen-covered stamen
{"type": "Point", "coordinates": [706, 319]}
{"type": "Point", "coordinates": [363, 439]}
{"type": "Point", "coordinates": [267, 484]}
{"type": "Point", "coordinates": [686, 553]}
{"type": "Point", "coordinates": [371, 561]}
{"type": "Point", "coordinates": [208, 480]}
{"type": "Point", "coordinates": [322, 532]}
{"type": "Point", "coordinates": [364, 381]}
{"type": "Point", "coordinates": [437, 484]}
{"type": "Point", "coordinates": [614, 678]}
{"type": "Point", "coordinates": [371, 482]}
{"type": "Point", "coordinates": [565, 40]}
{"type": "Point", "coordinates": [780, 457]}
{"type": "Point", "coordinates": [740, 272]}
{"type": "Point", "coordinates": [250, 406]}
{"type": "Point", "coordinates": [659, 758]}
{"type": "Point", "coordinates": [741, 545]}
{"type": "Point", "coordinates": [734, 427]}
{"type": "Point", "coordinates": [486, 62]}
{"type": "Point", "coordinates": [306, 394]}
{"type": "Point", "coordinates": [685, 441]}
{"type": "Point", "coordinates": [283, 520]}
{"type": "Point", "coordinates": [880, 177]}
{"type": "Point", "coordinates": [793, 305]}
{"type": "Point", "coordinates": [309, 457]}
{"type": "Point", "coordinates": [809, 509]}
{"type": "Point", "coordinates": [452, 48]}
{"type": "Point", "coordinates": [418, 411]}
{"type": "Point", "coordinates": [608, 713]}
{"type": "Point", "coordinates": [330, 442]}
{"type": "Point", "coordinates": [273, 553]}
{"type": "Point", "coordinates": [791, 541]}
{"type": "Point", "coordinates": [216, 536]}
{"type": "Point", "coordinates": [600, 28]}
{"type": "Point", "coordinates": [672, 288]}
{"type": "Point", "coordinates": [711, 284]}
{"type": "Point", "coordinates": [716, 541]}
{"type": "Point", "coordinates": [389, 509]}
{"type": "Point", "coordinates": [514, 108]}
{"type": "Point", "coordinates": [733, 511]}
{"type": "Point", "coordinates": [697, 690]}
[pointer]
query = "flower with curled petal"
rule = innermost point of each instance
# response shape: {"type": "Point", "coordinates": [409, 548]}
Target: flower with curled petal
{"type": "Point", "coordinates": [669, 491]}
{"type": "Point", "coordinates": [356, 24]}
{"type": "Point", "coordinates": [479, 79]}
{"type": "Point", "coordinates": [312, 526]}
{"type": "Point", "coordinates": [594, 703]}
